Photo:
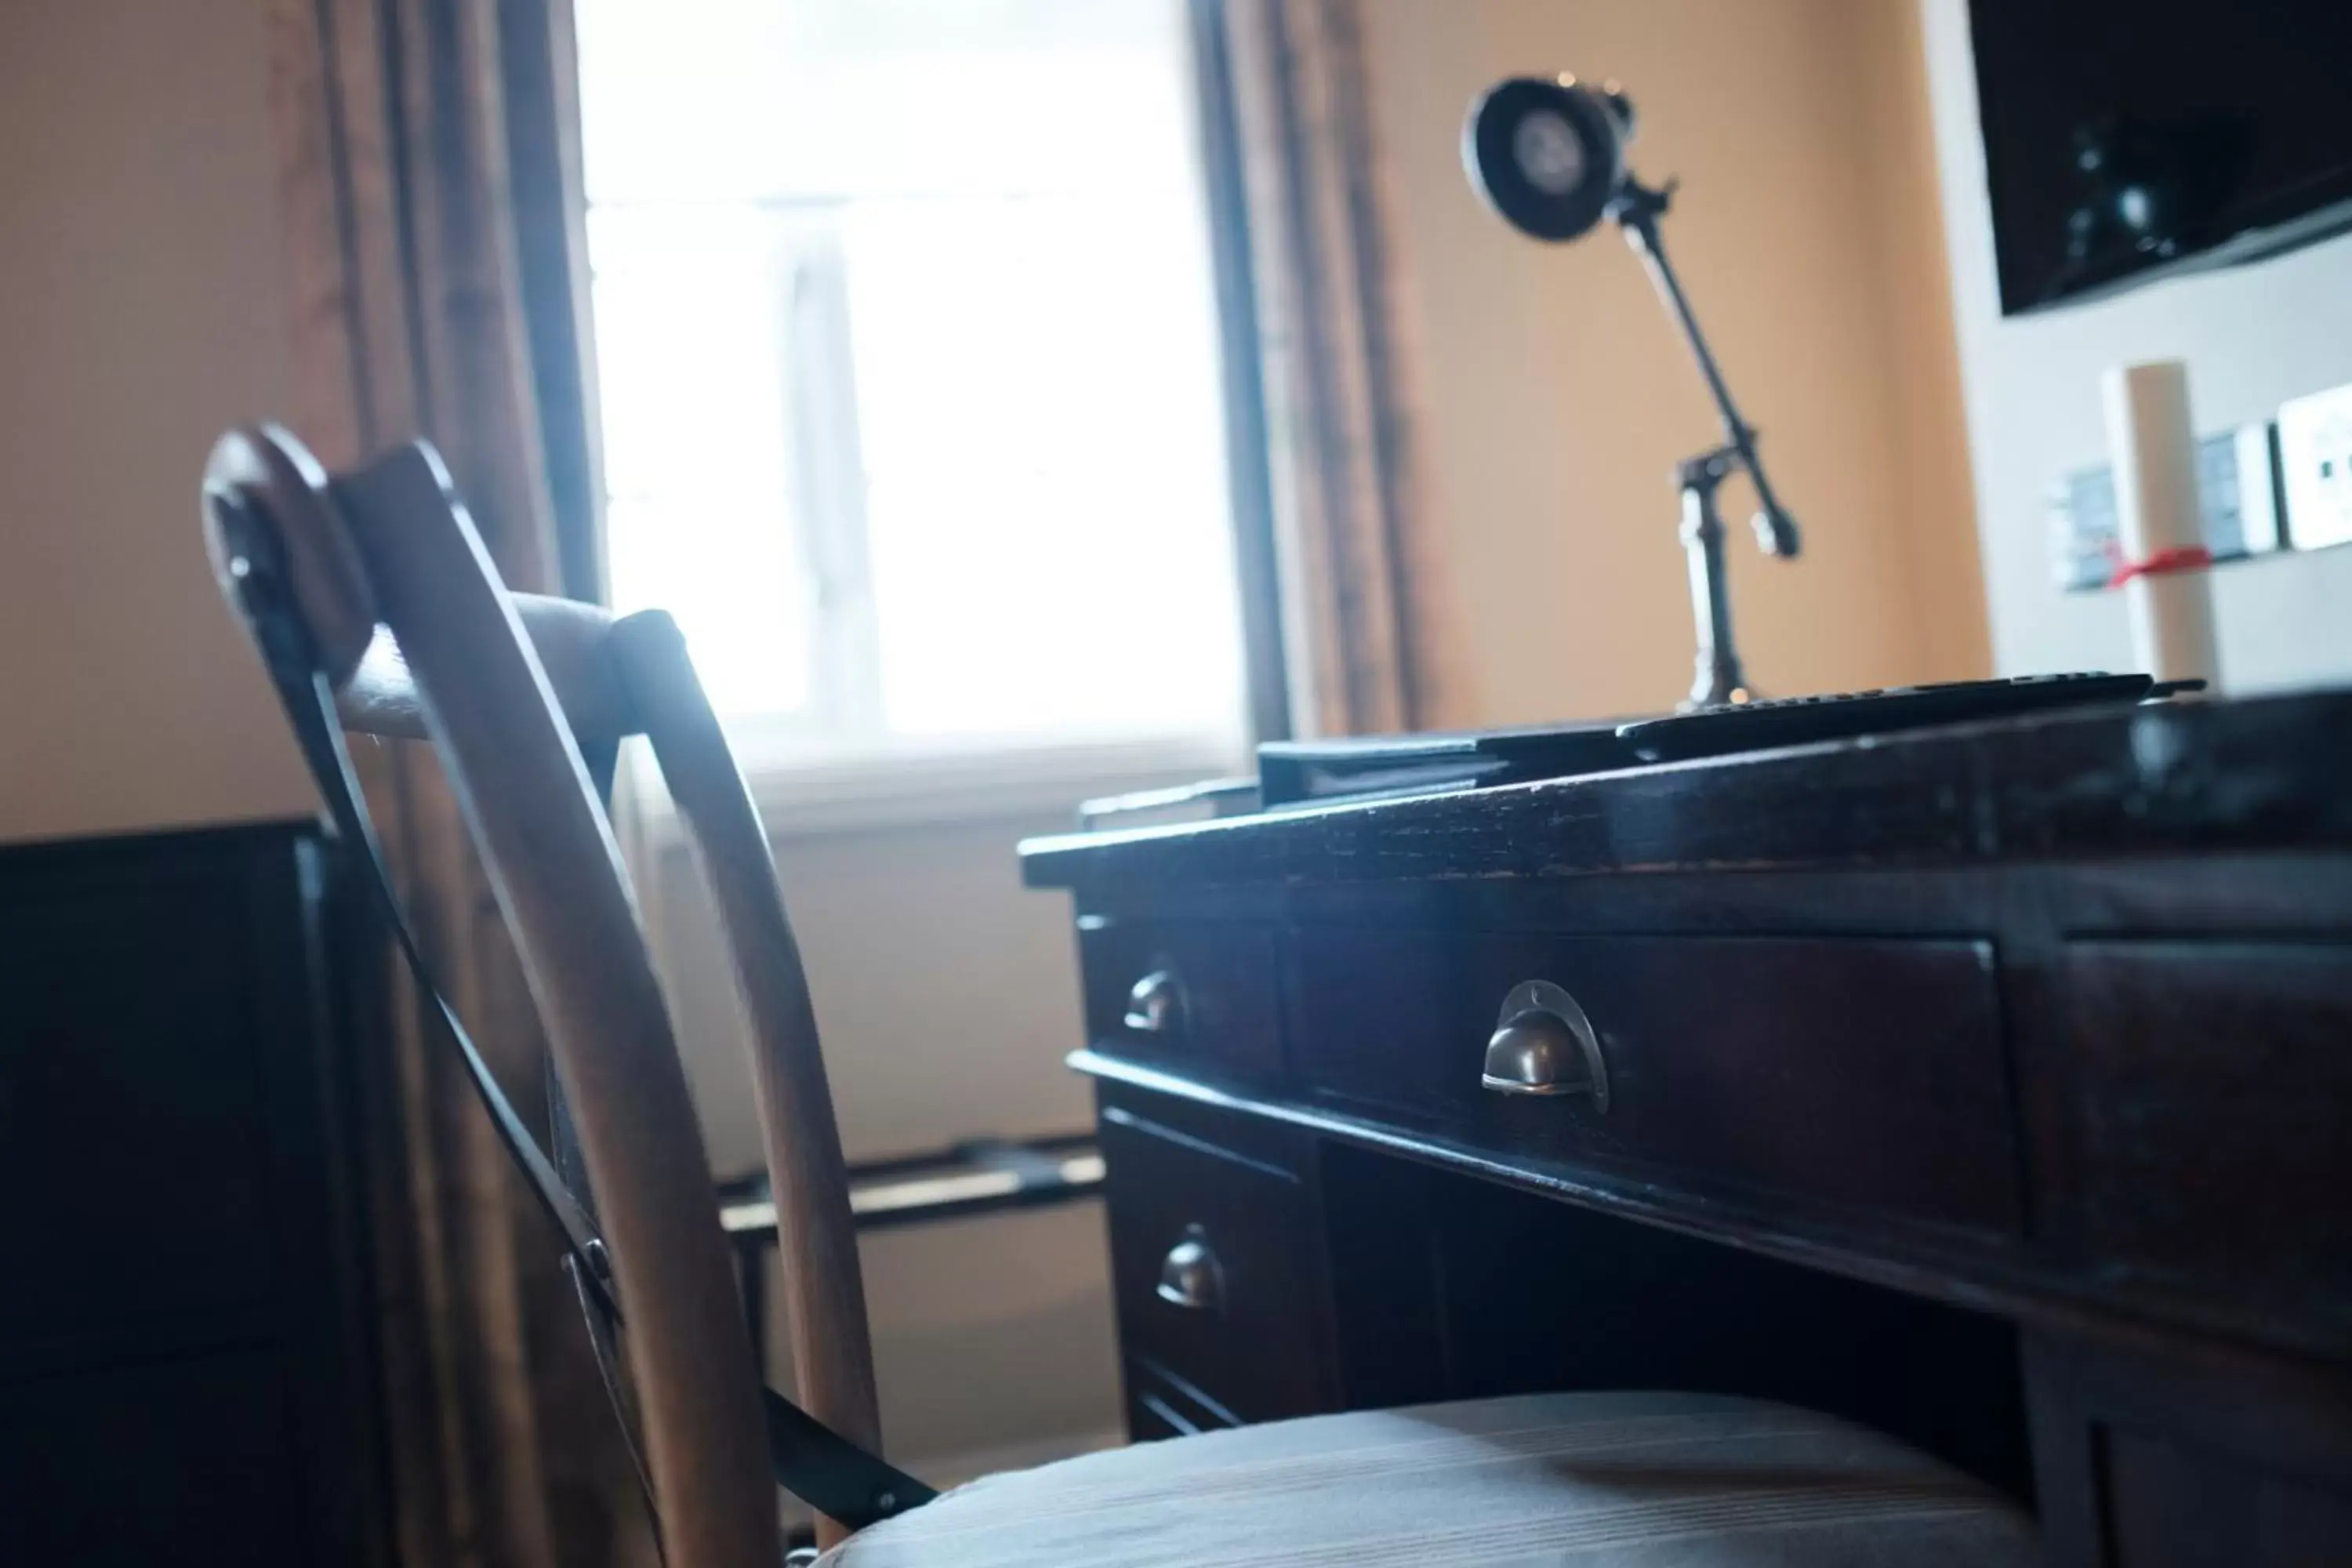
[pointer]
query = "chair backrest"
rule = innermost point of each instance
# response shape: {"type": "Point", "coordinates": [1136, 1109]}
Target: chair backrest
{"type": "Point", "coordinates": [420, 638]}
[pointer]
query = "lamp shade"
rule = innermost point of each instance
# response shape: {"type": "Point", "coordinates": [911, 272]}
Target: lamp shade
{"type": "Point", "coordinates": [1549, 155]}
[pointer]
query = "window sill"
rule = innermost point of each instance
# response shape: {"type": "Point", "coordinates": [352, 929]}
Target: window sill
{"type": "Point", "coordinates": [914, 787]}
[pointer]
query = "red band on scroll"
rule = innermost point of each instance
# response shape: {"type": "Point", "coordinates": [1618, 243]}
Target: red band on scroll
{"type": "Point", "coordinates": [2184, 558]}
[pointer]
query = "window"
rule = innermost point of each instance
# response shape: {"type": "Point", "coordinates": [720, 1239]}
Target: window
{"type": "Point", "coordinates": [908, 364]}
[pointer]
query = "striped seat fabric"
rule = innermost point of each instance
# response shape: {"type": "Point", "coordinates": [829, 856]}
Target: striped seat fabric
{"type": "Point", "coordinates": [1642, 1480]}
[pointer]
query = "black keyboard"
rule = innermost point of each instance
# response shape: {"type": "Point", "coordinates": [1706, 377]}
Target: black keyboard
{"type": "Point", "coordinates": [1800, 720]}
{"type": "Point", "coordinates": [1290, 772]}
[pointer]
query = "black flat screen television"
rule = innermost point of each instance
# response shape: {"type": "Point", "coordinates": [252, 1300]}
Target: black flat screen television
{"type": "Point", "coordinates": [2128, 139]}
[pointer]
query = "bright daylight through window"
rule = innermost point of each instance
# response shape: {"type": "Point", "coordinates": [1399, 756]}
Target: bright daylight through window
{"type": "Point", "coordinates": [906, 357]}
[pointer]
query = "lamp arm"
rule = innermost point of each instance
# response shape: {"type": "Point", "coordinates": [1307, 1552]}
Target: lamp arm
{"type": "Point", "coordinates": [1637, 208]}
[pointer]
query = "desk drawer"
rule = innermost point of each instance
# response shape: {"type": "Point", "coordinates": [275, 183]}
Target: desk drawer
{"type": "Point", "coordinates": [1192, 996]}
{"type": "Point", "coordinates": [1211, 1267]}
{"type": "Point", "coordinates": [2209, 1078]}
{"type": "Point", "coordinates": [1862, 1073]}
{"type": "Point", "coordinates": [1160, 1404]}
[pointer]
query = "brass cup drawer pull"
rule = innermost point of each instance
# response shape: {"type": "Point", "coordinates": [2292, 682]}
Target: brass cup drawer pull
{"type": "Point", "coordinates": [1544, 1045]}
{"type": "Point", "coordinates": [1190, 1275]}
{"type": "Point", "coordinates": [1155, 1003]}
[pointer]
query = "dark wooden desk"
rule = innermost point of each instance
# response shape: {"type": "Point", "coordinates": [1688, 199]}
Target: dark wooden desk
{"type": "Point", "coordinates": [1992, 1086]}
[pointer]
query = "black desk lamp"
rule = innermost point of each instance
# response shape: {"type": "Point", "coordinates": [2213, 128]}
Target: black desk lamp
{"type": "Point", "coordinates": [1549, 156]}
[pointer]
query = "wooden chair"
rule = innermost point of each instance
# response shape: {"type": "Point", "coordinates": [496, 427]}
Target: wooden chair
{"type": "Point", "coordinates": [507, 686]}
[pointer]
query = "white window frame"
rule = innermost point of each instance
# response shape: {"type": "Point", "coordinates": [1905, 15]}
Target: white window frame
{"type": "Point", "coordinates": [833, 764]}
{"type": "Point", "coordinates": [832, 767]}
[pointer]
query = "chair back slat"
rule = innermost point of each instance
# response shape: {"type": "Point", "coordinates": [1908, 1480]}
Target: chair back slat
{"type": "Point", "coordinates": [486, 699]}
{"type": "Point", "coordinates": [567, 638]}
{"type": "Point", "coordinates": [510, 688]}
{"type": "Point", "coordinates": [824, 1289]}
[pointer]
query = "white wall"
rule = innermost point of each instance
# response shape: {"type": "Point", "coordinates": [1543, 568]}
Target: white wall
{"type": "Point", "coordinates": [2253, 337]}
{"type": "Point", "coordinates": [139, 315]}
{"type": "Point", "coordinates": [946, 994]}
{"type": "Point", "coordinates": [1561, 396]}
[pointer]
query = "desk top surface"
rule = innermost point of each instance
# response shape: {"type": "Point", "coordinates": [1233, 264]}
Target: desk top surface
{"type": "Point", "coordinates": [2256, 774]}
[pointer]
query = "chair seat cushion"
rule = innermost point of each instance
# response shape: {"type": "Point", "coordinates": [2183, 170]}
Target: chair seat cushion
{"type": "Point", "coordinates": [1647, 1481]}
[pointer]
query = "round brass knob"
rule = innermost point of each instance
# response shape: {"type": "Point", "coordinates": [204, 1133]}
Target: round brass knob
{"type": "Point", "coordinates": [1544, 1045]}
{"type": "Point", "coordinates": [1155, 1003]}
{"type": "Point", "coordinates": [1190, 1275]}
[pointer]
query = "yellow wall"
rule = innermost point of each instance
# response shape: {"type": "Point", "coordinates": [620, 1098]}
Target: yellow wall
{"type": "Point", "coordinates": [142, 315]}
{"type": "Point", "coordinates": [1561, 396]}
{"type": "Point", "coordinates": [139, 315]}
